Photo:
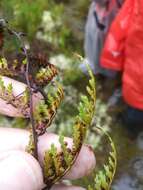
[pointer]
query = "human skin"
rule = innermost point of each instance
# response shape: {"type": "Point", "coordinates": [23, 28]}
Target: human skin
{"type": "Point", "coordinates": [21, 171]}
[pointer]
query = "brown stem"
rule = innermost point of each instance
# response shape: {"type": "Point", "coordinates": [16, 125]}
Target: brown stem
{"type": "Point", "coordinates": [35, 138]}
{"type": "Point", "coordinates": [31, 107]}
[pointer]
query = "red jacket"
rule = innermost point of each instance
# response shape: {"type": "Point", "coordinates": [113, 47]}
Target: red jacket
{"type": "Point", "coordinates": [123, 50]}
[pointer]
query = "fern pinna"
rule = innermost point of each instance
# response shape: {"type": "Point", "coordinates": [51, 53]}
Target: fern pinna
{"type": "Point", "coordinates": [103, 179]}
{"type": "Point", "coordinates": [36, 73]}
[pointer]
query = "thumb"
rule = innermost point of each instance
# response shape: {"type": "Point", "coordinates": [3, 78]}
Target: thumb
{"type": "Point", "coordinates": [19, 171]}
{"type": "Point", "coordinates": [64, 187]}
{"type": "Point", "coordinates": [17, 89]}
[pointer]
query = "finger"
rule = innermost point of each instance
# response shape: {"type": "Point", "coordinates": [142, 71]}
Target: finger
{"type": "Point", "coordinates": [9, 110]}
{"type": "Point", "coordinates": [19, 171]}
{"type": "Point", "coordinates": [18, 139]}
{"type": "Point", "coordinates": [85, 162]}
{"type": "Point", "coordinates": [18, 89]}
{"type": "Point", "coordinates": [65, 187]}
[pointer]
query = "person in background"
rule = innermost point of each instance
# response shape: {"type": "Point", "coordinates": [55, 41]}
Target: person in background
{"type": "Point", "coordinates": [123, 51]}
{"type": "Point", "coordinates": [100, 16]}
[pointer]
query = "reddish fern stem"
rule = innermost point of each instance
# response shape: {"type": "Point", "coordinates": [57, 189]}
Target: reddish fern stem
{"type": "Point", "coordinates": [35, 137]}
{"type": "Point", "coordinates": [31, 106]}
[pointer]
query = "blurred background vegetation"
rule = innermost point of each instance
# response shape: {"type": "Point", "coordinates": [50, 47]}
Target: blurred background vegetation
{"type": "Point", "coordinates": [55, 28]}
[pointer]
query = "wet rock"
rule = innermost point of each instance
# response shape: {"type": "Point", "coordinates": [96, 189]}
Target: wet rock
{"type": "Point", "coordinates": [133, 178]}
{"type": "Point", "coordinates": [126, 182]}
{"type": "Point", "coordinates": [137, 168]}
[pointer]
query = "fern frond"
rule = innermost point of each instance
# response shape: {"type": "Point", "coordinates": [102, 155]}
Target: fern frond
{"type": "Point", "coordinates": [9, 88]}
{"type": "Point", "coordinates": [20, 101]}
{"type": "Point", "coordinates": [30, 147]}
{"type": "Point", "coordinates": [82, 122]}
{"type": "Point", "coordinates": [45, 113]}
{"type": "Point", "coordinates": [46, 74]}
{"type": "Point", "coordinates": [104, 178]}
{"type": "Point", "coordinates": [86, 113]}
{"type": "Point", "coordinates": [2, 86]}
{"type": "Point", "coordinates": [54, 165]}
{"type": "Point", "coordinates": [3, 63]}
{"type": "Point", "coordinates": [68, 157]}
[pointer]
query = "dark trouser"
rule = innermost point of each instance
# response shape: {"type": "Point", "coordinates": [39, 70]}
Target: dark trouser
{"type": "Point", "coordinates": [132, 119]}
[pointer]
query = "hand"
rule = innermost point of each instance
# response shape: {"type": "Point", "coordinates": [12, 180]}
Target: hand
{"type": "Point", "coordinates": [18, 169]}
